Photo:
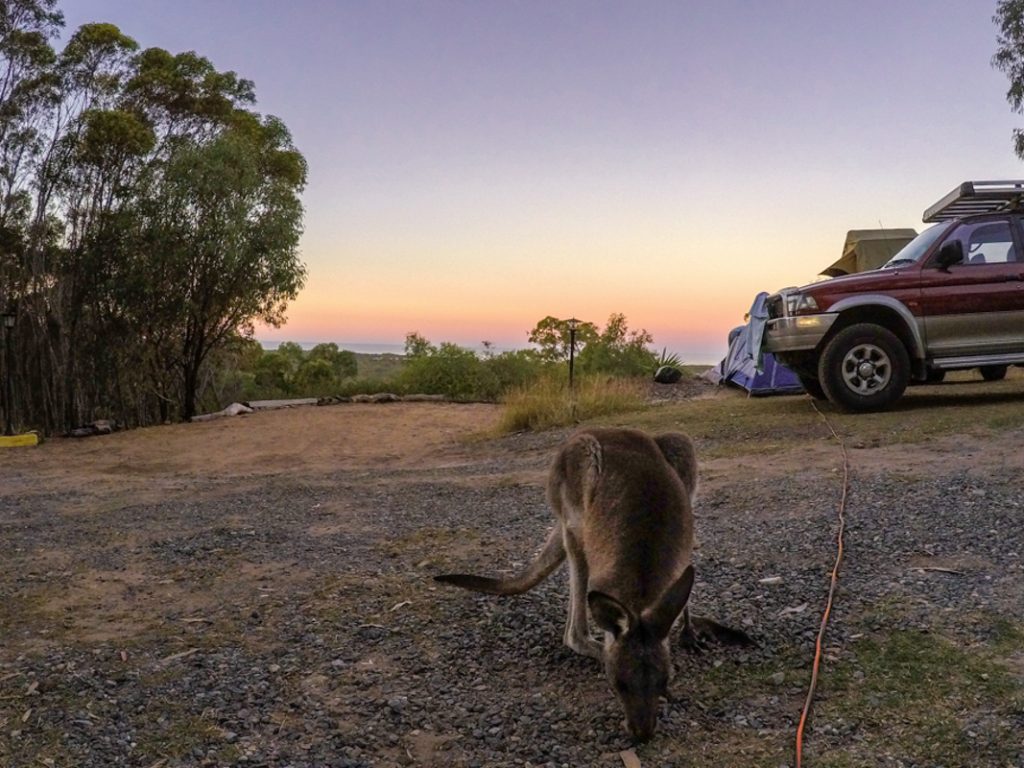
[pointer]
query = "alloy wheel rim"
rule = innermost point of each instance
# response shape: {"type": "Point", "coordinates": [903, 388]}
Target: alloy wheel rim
{"type": "Point", "coordinates": [866, 369]}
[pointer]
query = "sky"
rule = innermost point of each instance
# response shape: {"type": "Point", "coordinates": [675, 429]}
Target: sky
{"type": "Point", "coordinates": [475, 166]}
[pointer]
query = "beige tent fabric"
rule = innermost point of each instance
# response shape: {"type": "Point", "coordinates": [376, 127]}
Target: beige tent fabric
{"type": "Point", "coordinates": [869, 249]}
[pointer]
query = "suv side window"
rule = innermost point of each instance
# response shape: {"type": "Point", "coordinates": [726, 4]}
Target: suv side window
{"type": "Point", "coordinates": [986, 242]}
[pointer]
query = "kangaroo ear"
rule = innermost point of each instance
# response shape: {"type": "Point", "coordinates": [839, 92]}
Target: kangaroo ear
{"type": "Point", "coordinates": [609, 614]}
{"type": "Point", "coordinates": [680, 454]}
{"type": "Point", "coordinates": [662, 615]}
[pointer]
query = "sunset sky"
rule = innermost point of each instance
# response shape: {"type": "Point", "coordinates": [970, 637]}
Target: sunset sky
{"type": "Point", "coordinates": [477, 165]}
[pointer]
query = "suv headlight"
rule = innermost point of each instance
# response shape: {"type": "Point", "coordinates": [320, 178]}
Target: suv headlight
{"type": "Point", "coordinates": [798, 303]}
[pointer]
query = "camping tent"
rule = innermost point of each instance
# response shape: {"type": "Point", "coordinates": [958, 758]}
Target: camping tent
{"type": "Point", "coordinates": [866, 249]}
{"type": "Point", "coordinates": [741, 366]}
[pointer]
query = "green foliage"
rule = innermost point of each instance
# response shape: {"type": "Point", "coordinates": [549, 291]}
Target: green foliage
{"type": "Point", "coordinates": [417, 346]}
{"type": "Point", "coordinates": [552, 337]}
{"type": "Point", "coordinates": [616, 351]}
{"type": "Point", "coordinates": [293, 354]}
{"type": "Point", "coordinates": [242, 371]}
{"type": "Point", "coordinates": [316, 377]}
{"type": "Point", "coordinates": [273, 374]}
{"type": "Point", "coordinates": [670, 359]}
{"type": "Point", "coordinates": [447, 370]}
{"type": "Point", "coordinates": [512, 369]}
{"type": "Point", "coordinates": [341, 363]}
{"type": "Point", "coordinates": [460, 373]}
{"type": "Point", "coordinates": [1009, 58]}
{"type": "Point", "coordinates": [147, 217]}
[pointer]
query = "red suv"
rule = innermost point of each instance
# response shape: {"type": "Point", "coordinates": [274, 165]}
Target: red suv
{"type": "Point", "coordinates": [953, 298]}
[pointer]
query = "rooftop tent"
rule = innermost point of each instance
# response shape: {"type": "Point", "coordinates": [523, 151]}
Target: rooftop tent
{"type": "Point", "coordinates": [869, 249]}
{"type": "Point", "coordinates": [740, 366]}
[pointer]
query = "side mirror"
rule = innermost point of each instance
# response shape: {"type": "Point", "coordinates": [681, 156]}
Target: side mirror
{"type": "Point", "coordinates": [951, 252]}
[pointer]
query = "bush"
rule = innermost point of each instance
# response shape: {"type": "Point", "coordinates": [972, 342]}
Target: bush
{"type": "Point", "coordinates": [547, 403]}
{"type": "Point", "coordinates": [316, 378]}
{"type": "Point", "coordinates": [461, 374]}
{"type": "Point", "coordinates": [509, 370]}
{"type": "Point", "coordinates": [449, 370]}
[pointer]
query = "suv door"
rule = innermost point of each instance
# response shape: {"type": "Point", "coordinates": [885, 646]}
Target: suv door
{"type": "Point", "coordinates": [976, 307]}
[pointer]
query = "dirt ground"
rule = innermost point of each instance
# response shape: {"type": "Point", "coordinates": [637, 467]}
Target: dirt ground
{"type": "Point", "coordinates": [186, 561]}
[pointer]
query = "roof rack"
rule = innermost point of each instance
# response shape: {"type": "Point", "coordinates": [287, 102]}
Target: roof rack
{"type": "Point", "coordinates": [973, 197]}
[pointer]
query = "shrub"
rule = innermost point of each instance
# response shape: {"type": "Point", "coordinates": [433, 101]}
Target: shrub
{"type": "Point", "coordinates": [273, 374]}
{"type": "Point", "coordinates": [316, 378]}
{"type": "Point", "coordinates": [511, 369]}
{"type": "Point", "coordinates": [341, 362]}
{"type": "Point", "coordinates": [449, 370]}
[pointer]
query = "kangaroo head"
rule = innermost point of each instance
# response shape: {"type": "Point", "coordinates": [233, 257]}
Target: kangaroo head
{"type": "Point", "coordinates": [636, 651]}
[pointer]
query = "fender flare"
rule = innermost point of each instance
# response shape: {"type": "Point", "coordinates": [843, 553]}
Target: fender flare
{"type": "Point", "coordinates": [874, 300]}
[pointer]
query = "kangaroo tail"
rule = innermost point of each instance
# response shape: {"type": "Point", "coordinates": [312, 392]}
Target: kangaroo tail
{"type": "Point", "coordinates": [550, 557]}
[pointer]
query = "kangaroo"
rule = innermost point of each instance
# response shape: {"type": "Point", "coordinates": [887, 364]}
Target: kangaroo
{"type": "Point", "coordinates": [623, 502]}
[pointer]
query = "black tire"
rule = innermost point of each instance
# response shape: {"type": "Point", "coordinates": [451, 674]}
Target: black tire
{"type": "Point", "coordinates": [864, 367]}
{"type": "Point", "coordinates": [812, 386]}
{"type": "Point", "coordinates": [993, 372]}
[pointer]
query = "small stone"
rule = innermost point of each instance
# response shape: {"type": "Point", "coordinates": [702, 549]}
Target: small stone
{"type": "Point", "coordinates": [398, 703]}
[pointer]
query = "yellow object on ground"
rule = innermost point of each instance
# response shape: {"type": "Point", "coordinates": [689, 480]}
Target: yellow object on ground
{"type": "Point", "coordinates": [15, 441]}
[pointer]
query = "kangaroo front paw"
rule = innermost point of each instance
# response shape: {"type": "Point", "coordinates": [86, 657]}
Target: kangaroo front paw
{"type": "Point", "coordinates": [691, 641]}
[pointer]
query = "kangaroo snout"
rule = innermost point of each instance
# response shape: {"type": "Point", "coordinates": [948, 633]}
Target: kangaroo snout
{"type": "Point", "coordinates": [643, 730]}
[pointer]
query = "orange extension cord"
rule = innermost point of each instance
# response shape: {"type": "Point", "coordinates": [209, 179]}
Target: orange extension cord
{"type": "Point", "coordinates": [831, 593]}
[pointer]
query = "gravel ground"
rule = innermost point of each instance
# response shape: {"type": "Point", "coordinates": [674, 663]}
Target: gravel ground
{"type": "Point", "coordinates": [293, 621]}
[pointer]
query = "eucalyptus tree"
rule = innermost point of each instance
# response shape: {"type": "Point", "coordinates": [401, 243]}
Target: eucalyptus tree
{"type": "Point", "coordinates": [148, 215]}
{"type": "Point", "coordinates": [26, 59]}
{"type": "Point", "coordinates": [1009, 58]}
{"type": "Point", "coordinates": [218, 225]}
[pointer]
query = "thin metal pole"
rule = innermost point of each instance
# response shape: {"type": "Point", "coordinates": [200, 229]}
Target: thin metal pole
{"type": "Point", "coordinates": [572, 352]}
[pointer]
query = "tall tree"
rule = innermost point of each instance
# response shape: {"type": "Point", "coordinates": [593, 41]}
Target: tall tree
{"type": "Point", "coordinates": [147, 217]}
{"type": "Point", "coordinates": [219, 226]}
{"type": "Point", "coordinates": [552, 337]}
{"type": "Point", "coordinates": [26, 92]}
{"type": "Point", "coordinates": [1009, 58]}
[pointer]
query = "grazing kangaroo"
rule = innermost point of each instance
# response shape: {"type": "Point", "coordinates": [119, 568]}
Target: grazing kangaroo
{"type": "Point", "coordinates": [624, 508]}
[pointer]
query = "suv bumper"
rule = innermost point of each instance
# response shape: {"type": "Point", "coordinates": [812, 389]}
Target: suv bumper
{"type": "Point", "coordinates": [798, 333]}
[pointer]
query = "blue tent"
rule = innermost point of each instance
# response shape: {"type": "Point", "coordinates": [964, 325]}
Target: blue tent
{"type": "Point", "coordinates": [741, 366]}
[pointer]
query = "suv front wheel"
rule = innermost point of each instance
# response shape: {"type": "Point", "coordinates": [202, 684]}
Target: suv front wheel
{"type": "Point", "coordinates": [864, 367]}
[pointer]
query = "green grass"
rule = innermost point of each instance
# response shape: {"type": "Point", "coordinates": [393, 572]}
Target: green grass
{"type": "Point", "coordinates": [922, 697]}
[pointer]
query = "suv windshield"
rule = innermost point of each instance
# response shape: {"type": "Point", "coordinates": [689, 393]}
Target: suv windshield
{"type": "Point", "coordinates": [918, 247]}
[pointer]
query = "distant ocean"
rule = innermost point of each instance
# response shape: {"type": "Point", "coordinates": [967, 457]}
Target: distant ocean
{"type": "Point", "coordinates": [369, 348]}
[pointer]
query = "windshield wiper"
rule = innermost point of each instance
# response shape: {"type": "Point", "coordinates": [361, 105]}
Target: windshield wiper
{"type": "Point", "coordinates": [894, 262]}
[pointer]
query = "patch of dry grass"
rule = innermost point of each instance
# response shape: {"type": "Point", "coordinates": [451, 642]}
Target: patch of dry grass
{"type": "Point", "coordinates": [548, 402]}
